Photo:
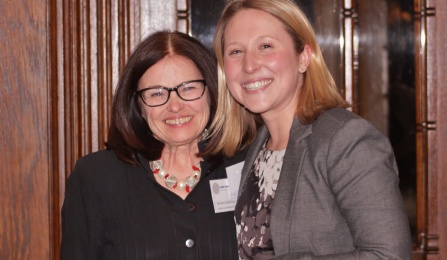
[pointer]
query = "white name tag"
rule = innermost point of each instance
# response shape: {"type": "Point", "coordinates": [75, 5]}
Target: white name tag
{"type": "Point", "coordinates": [220, 192]}
{"type": "Point", "coordinates": [224, 191]}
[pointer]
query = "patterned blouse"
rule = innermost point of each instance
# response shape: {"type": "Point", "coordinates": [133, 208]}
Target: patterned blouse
{"type": "Point", "coordinates": [252, 213]}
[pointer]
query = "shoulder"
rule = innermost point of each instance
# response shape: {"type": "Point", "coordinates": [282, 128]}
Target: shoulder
{"type": "Point", "coordinates": [237, 158]}
{"type": "Point", "coordinates": [98, 166]}
{"type": "Point", "coordinates": [346, 136]}
{"type": "Point", "coordinates": [341, 129]}
{"type": "Point", "coordinates": [335, 120]}
{"type": "Point", "coordinates": [338, 117]}
{"type": "Point", "coordinates": [99, 159]}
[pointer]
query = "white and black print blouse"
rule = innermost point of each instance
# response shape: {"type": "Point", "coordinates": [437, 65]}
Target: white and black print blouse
{"type": "Point", "coordinates": [252, 213]}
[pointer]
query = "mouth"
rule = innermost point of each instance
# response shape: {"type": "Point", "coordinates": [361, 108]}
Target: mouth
{"type": "Point", "coordinates": [256, 85]}
{"type": "Point", "coordinates": [178, 121]}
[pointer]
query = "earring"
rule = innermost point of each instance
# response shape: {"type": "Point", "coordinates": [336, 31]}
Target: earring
{"type": "Point", "coordinates": [205, 134]}
{"type": "Point", "coordinates": [302, 68]}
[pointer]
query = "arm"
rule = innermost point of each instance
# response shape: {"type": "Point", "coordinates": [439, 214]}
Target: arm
{"type": "Point", "coordinates": [81, 223]}
{"type": "Point", "coordinates": [362, 174]}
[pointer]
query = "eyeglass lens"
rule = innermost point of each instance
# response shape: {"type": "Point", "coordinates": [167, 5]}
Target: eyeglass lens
{"type": "Point", "coordinates": [187, 91]}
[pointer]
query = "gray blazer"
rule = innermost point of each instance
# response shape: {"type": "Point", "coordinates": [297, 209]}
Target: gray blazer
{"type": "Point", "coordinates": [338, 195]}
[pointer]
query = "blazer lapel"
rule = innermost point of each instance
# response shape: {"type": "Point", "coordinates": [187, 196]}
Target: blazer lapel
{"type": "Point", "coordinates": [285, 196]}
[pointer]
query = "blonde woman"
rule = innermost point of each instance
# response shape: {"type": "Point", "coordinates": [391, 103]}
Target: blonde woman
{"type": "Point", "coordinates": [319, 182]}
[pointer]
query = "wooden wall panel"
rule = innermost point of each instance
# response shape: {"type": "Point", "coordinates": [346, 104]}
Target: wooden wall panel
{"type": "Point", "coordinates": [437, 96]}
{"type": "Point", "coordinates": [441, 142]}
{"type": "Point", "coordinates": [24, 131]}
{"type": "Point", "coordinates": [372, 99]}
{"type": "Point", "coordinates": [431, 60]}
{"type": "Point", "coordinates": [90, 43]}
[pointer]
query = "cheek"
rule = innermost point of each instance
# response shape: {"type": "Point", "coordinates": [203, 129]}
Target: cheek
{"type": "Point", "coordinates": [207, 108]}
{"type": "Point", "coordinates": [150, 114]}
{"type": "Point", "coordinates": [231, 69]}
{"type": "Point", "coordinates": [278, 62]}
{"type": "Point", "coordinates": [142, 108]}
{"type": "Point", "coordinates": [144, 114]}
{"type": "Point", "coordinates": [203, 108]}
{"type": "Point", "coordinates": [234, 90]}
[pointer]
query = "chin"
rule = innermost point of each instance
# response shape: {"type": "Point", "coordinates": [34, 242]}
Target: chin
{"type": "Point", "coordinates": [255, 110]}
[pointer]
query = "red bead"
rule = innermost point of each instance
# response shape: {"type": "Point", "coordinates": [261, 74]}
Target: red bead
{"type": "Point", "coordinates": [187, 188]}
{"type": "Point", "coordinates": [156, 171]}
{"type": "Point", "coordinates": [167, 175]}
{"type": "Point", "coordinates": [195, 168]}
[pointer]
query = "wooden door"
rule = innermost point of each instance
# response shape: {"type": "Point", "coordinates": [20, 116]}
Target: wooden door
{"type": "Point", "coordinates": [25, 127]}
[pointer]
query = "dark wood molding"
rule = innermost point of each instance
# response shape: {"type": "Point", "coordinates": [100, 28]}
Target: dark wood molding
{"type": "Point", "coordinates": [349, 52]}
{"type": "Point", "coordinates": [184, 16]}
{"type": "Point", "coordinates": [431, 153]}
{"type": "Point", "coordinates": [440, 76]}
{"type": "Point", "coordinates": [89, 44]}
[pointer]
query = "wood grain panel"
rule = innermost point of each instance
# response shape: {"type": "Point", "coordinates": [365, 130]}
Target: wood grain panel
{"type": "Point", "coordinates": [441, 117]}
{"type": "Point", "coordinates": [90, 41]}
{"type": "Point", "coordinates": [432, 129]}
{"type": "Point", "coordinates": [24, 131]}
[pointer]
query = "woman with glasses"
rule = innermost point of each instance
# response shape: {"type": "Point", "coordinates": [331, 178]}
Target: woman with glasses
{"type": "Point", "coordinates": [319, 182]}
{"type": "Point", "coordinates": [148, 195]}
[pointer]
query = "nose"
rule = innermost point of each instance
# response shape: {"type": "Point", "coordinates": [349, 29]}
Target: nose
{"type": "Point", "coordinates": [251, 62]}
{"type": "Point", "coordinates": [175, 103]}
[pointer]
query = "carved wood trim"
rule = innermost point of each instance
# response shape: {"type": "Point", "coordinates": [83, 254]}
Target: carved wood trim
{"type": "Point", "coordinates": [89, 44]}
{"type": "Point", "coordinates": [184, 16]}
{"type": "Point", "coordinates": [349, 51]}
{"type": "Point", "coordinates": [426, 137]}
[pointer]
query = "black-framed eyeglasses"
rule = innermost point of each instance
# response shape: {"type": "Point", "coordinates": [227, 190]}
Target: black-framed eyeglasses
{"type": "Point", "coordinates": [159, 95]}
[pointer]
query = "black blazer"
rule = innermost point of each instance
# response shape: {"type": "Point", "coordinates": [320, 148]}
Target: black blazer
{"type": "Point", "coordinates": [113, 210]}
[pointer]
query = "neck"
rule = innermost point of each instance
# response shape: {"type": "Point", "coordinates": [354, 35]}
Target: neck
{"type": "Point", "coordinates": [279, 130]}
{"type": "Point", "coordinates": [177, 159]}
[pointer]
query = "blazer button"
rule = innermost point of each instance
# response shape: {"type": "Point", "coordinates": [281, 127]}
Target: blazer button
{"type": "Point", "coordinates": [191, 207]}
{"type": "Point", "coordinates": [189, 243]}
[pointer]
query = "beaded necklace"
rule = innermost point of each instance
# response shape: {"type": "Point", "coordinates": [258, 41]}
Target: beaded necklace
{"type": "Point", "coordinates": [171, 181]}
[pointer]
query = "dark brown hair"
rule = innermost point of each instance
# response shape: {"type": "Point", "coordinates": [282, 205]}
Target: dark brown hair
{"type": "Point", "coordinates": [129, 133]}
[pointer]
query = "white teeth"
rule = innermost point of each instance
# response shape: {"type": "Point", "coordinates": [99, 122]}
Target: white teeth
{"type": "Point", "coordinates": [256, 85]}
{"type": "Point", "coordinates": [178, 121]}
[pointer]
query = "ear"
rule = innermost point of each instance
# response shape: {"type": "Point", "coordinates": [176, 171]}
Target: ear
{"type": "Point", "coordinates": [304, 58]}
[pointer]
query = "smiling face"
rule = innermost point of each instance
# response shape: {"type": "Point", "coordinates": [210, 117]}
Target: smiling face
{"type": "Point", "coordinates": [261, 66]}
{"type": "Point", "coordinates": [177, 122]}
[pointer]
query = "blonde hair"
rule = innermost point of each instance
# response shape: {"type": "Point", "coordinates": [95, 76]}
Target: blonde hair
{"type": "Point", "coordinates": [234, 127]}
